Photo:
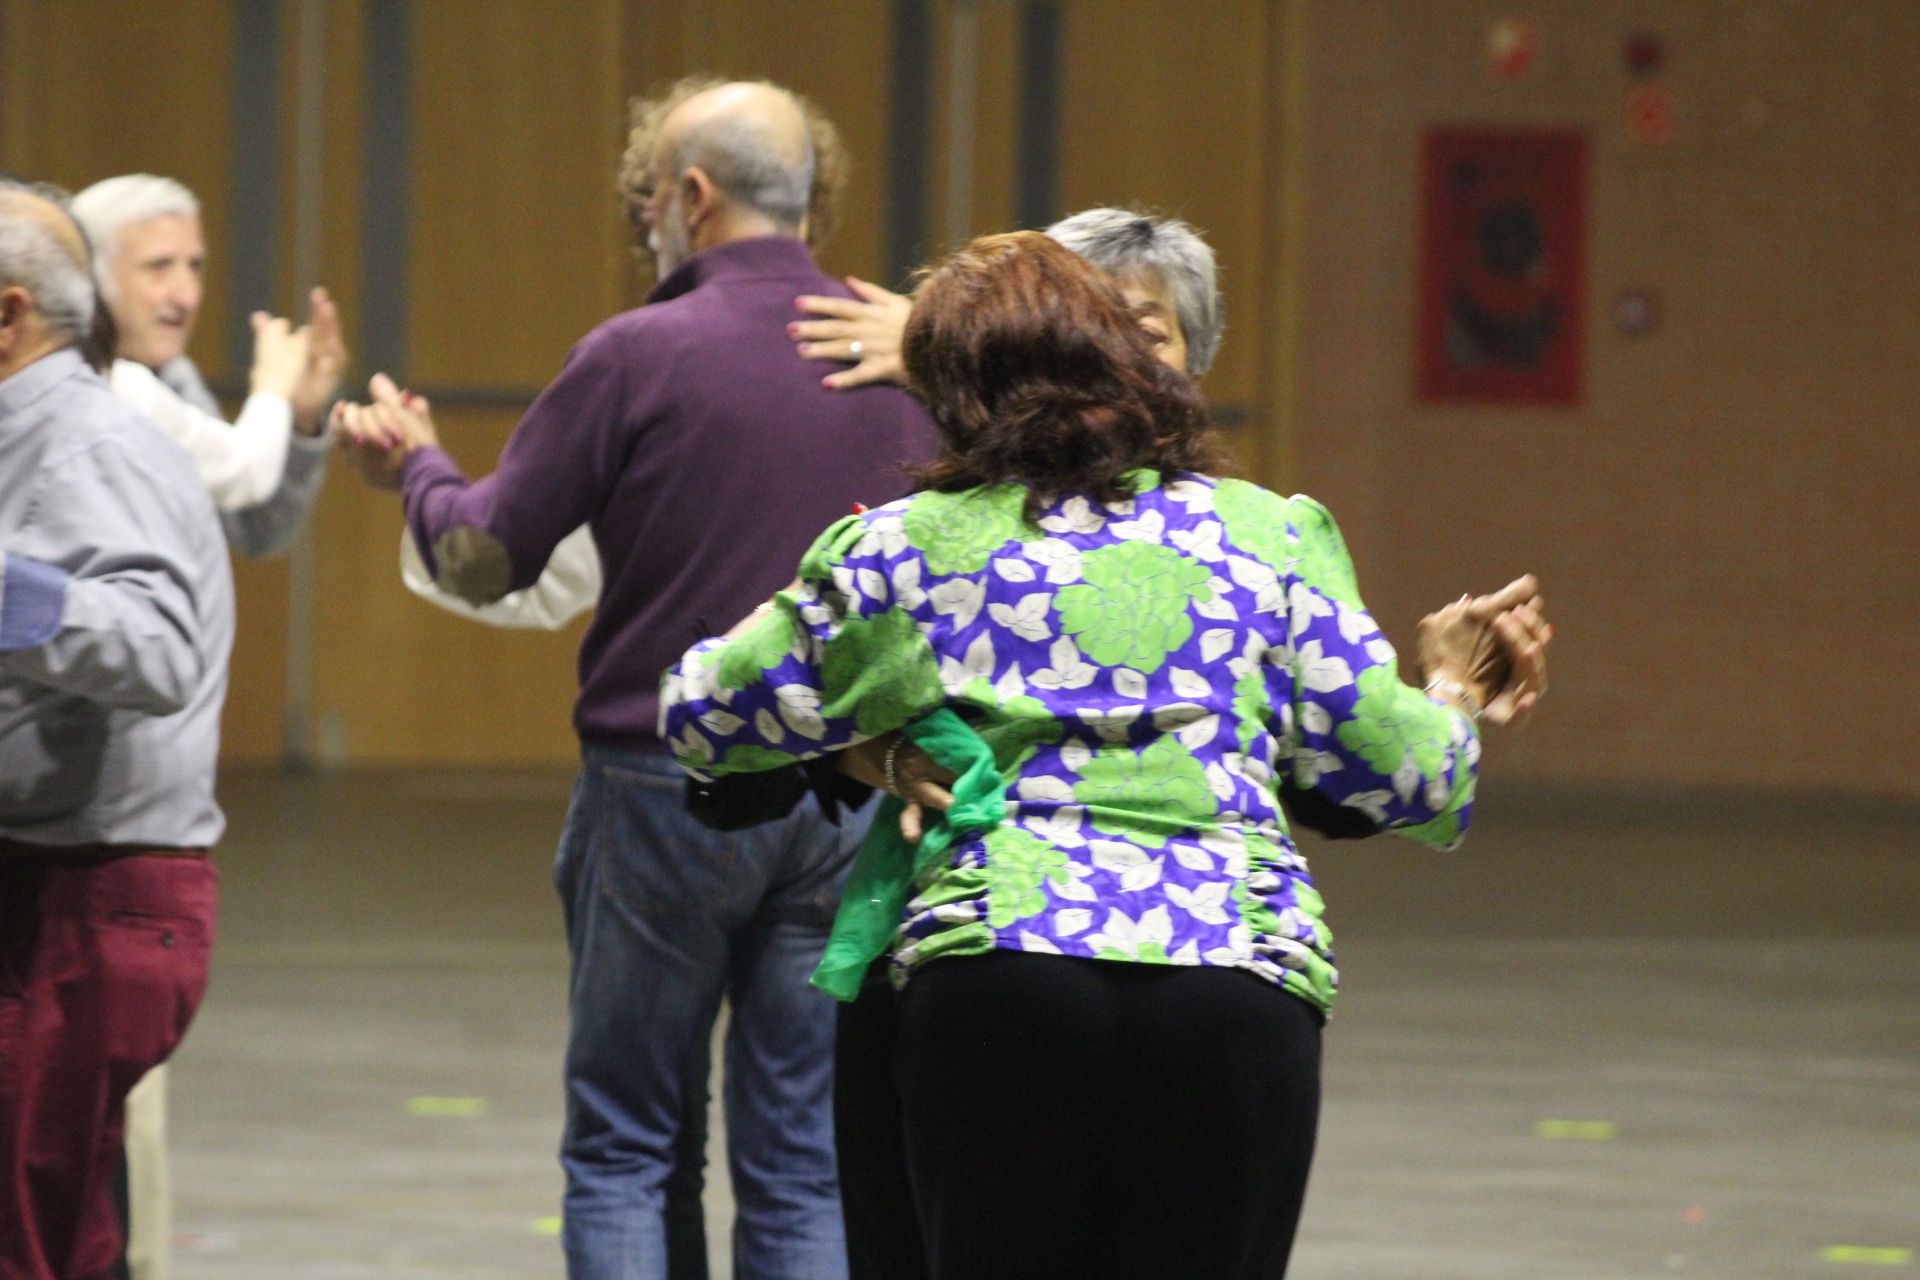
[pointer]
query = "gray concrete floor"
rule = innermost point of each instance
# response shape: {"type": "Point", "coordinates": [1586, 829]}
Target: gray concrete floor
{"type": "Point", "coordinates": [1728, 985]}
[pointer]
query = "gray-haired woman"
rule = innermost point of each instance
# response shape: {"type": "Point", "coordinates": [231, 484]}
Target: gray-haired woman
{"type": "Point", "coordinates": [1164, 269]}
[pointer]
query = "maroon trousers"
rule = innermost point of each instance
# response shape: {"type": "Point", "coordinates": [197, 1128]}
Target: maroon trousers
{"type": "Point", "coordinates": [103, 960]}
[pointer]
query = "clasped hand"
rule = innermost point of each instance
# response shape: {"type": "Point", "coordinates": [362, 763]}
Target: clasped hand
{"type": "Point", "coordinates": [918, 779]}
{"type": "Point", "coordinates": [1493, 646]}
{"type": "Point", "coordinates": [379, 435]}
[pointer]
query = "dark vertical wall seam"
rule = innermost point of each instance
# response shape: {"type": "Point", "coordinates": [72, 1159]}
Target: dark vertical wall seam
{"type": "Point", "coordinates": [384, 213]}
{"type": "Point", "coordinates": [909, 136]}
{"type": "Point", "coordinates": [1036, 178]}
{"type": "Point", "coordinates": [254, 201]}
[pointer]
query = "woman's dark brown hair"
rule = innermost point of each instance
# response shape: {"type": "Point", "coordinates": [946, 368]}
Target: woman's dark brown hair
{"type": "Point", "coordinates": [1036, 374]}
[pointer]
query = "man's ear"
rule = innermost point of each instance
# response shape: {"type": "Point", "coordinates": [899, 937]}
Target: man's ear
{"type": "Point", "coordinates": [15, 304]}
{"type": "Point", "coordinates": [699, 197]}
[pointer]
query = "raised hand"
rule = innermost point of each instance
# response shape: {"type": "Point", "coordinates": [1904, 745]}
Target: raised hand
{"type": "Point", "coordinates": [280, 352]}
{"type": "Point", "coordinates": [326, 364]}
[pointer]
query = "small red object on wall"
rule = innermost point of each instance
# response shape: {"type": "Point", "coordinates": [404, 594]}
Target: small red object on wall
{"type": "Point", "coordinates": [1502, 270]}
{"type": "Point", "coordinates": [1512, 44]}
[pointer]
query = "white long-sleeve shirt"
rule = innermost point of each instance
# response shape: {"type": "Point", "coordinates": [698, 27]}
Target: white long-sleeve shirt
{"type": "Point", "coordinates": [241, 464]}
{"type": "Point", "coordinates": [568, 587]}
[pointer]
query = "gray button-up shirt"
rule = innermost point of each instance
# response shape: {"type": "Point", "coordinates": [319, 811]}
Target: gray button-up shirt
{"type": "Point", "coordinates": [116, 618]}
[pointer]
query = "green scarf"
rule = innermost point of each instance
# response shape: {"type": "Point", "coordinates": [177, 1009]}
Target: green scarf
{"type": "Point", "coordinates": [888, 867]}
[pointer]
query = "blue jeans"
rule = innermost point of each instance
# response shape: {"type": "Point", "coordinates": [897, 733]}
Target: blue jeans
{"type": "Point", "coordinates": [664, 917]}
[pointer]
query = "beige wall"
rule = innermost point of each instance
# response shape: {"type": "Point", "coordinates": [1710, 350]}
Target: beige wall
{"type": "Point", "coordinates": [1725, 523]}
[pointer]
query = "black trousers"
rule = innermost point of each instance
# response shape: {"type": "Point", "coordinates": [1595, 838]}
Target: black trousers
{"type": "Point", "coordinates": [1086, 1118]}
{"type": "Point", "coordinates": [876, 1199]}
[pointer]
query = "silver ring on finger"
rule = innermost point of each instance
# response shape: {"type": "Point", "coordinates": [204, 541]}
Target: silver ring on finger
{"type": "Point", "coordinates": [855, 348]}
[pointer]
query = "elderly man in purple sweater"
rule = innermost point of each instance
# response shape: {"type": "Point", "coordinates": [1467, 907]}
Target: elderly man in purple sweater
{"type": "Point", "coordinates": [705, 455]}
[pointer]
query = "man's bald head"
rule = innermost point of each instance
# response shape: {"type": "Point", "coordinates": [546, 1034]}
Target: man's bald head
{"type": "Point", "coordinates": [766, 109]}
{"type": "Point", "coordinates": [30, 205]}
{"type": "Point", "coordinates": [43, 254]}
{"type": "Point", "coordinates": [752, 140]}
{"type": "Point", "coordinates": [643, 167]}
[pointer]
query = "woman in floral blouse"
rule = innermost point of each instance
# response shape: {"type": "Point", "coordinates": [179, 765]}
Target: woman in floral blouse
{"type": "Point", "coordinates": [1110, 1042]}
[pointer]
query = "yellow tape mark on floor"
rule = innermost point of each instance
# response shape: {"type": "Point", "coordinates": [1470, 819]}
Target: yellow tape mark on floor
{"type": "Point", "coordinates": [545, 1226]}
{"type": "Point", "coordinates": [1866, 1256]}
{"type": "Point", "coordinates": [1576, 1130]}
{"type": "Point", "coordinates": [447, 1108]}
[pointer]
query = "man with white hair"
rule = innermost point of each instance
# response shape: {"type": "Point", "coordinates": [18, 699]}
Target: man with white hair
{"type": "Point", "coordinates": [265, 470]}
{"type": "Point", "coordinates": [704, 456]}
{"type": "Point", "coordinates": [116, 619]}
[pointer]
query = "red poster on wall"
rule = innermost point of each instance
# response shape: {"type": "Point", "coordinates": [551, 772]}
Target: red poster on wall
{"type": "Point", "coordinates": [1502, 265]}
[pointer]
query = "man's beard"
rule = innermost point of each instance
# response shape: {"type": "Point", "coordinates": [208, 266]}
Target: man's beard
{"type": "Point", "coordinates": [668, 240]}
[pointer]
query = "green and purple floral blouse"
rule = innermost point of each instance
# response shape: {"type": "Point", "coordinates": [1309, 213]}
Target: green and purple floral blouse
{"type": "Point", "coordinates": [1140, 670]}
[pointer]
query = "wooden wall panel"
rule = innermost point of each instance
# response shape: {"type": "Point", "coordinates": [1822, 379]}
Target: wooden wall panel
{"type": "Point", "coordinates": [989, 206]}
{"type": "Point", "coordinates": [254, 728]}
{"type": "Point", "coordinates": [516, 249]}
{"type": "Point", "coordinates": [516, 239]}
{"type": "Point", "coordinates": [1173, 109]}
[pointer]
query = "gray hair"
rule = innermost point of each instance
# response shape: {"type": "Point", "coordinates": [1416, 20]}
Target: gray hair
{"type": "Point", "coordinates": [750, 166]}
{"type": "Point", "coordinates": [111, 205]}
{"type": "Point", "coordinates": [32, 258]}
{"type": "Point", "coordinates": [1128, 244]}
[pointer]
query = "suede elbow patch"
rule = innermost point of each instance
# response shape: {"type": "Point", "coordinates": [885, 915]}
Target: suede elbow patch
{"type": "Point", "coordinates": [473, 565]}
